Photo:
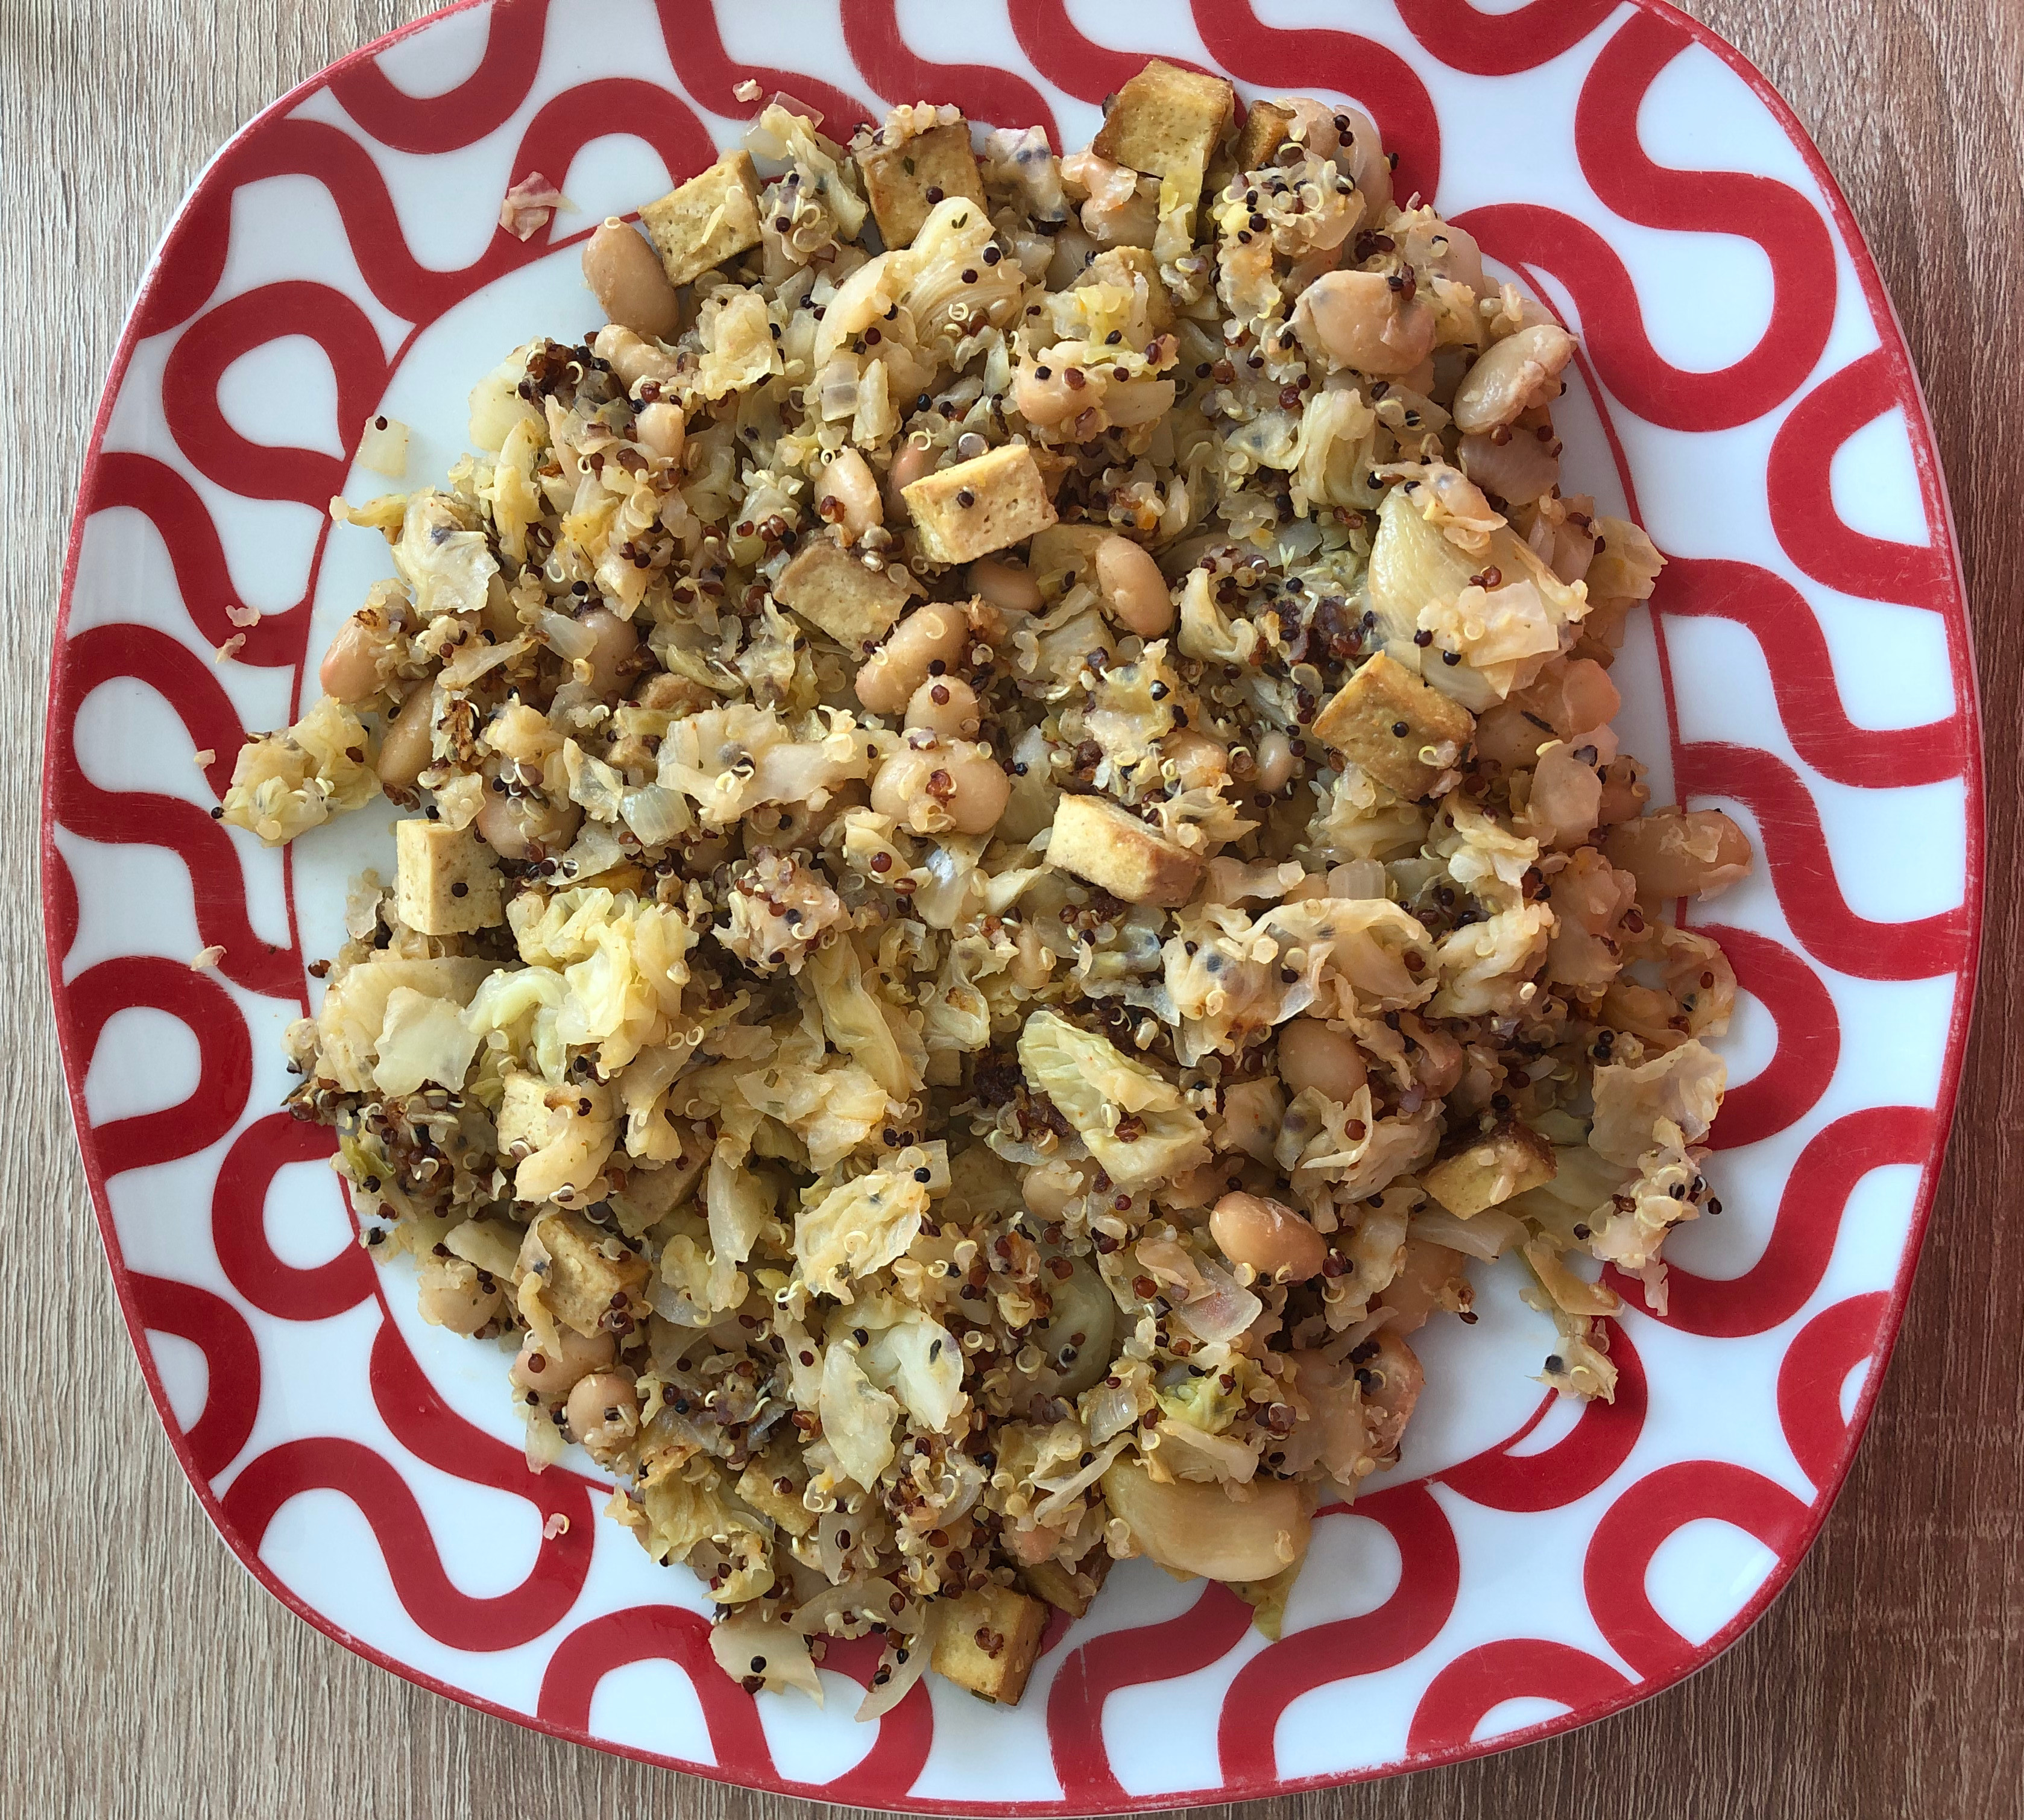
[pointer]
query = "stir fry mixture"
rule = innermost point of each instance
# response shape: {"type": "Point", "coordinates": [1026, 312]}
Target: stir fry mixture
{"type": "Point", "coordinates": [1017, 858]}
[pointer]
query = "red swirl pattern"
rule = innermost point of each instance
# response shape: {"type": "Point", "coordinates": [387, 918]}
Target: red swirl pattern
{"type": "Point", "coordinates": [1379, 80]}
{"type": "Point", "coordinates": [1626, 1475]}
{"type": "Point", "coordinates": [1583, 1460]}
{"type": "Point", "coordinates": [1802, 491]}
{"type": "Point", "coordinates": [1495, 44]}
{"type": "Point", "coordinates": [1649, 1515]}
{"type": "Point", "coordinates": [1463, 1694]}
{"type": "Point", "coordinates": [1803, 1236]}
{"type": "Point", "coordinates": [1816, 1366]}
{"type": "Point", "coordinates": [1809, 1039]}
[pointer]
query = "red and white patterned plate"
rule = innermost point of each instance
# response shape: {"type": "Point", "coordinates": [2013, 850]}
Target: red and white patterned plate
{"type": "Point", "coordinates": [1745, 390]}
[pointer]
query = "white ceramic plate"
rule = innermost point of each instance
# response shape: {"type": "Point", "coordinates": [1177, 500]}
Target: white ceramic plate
{"type": "Point", "coordinates": [1744, 390]}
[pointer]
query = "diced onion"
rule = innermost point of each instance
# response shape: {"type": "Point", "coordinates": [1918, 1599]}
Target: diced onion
{"type": "Point", "coordinates": [566, 636]}
{"type": "Point", "coordinates": [1201, 1529]}
{"type": "Point", "coordinates": [383, 448]}
{"type": "Point", "coordinates": [1489, 1235]}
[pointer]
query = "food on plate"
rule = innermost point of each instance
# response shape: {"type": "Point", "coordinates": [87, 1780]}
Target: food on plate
{"type": "Point", "coordinates": [1014, 858]}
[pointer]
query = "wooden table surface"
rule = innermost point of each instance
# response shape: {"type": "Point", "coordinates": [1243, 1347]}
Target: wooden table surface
{"type": "Point", "coordinates": [142, 1672]}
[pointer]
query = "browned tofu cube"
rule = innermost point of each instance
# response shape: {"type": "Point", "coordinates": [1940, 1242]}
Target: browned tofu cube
{"type": "Point", "coordinates": [1401, 730]}
{"type": "Point", "coordinates": [1267, 127]}
{"type": "Point", "coordinates": [1105, 843]}
{"type": "Point", "coordinates": [446, 881]}
{"type": "Point", "coordinates": [1069, 1589]}
{"type": "Point", "coordinates": [711, 217]}
{"type": "Point", "coordinates": [831, 587]}
{"type": "Point", "coordinates": [587, 1275]}
{"type": "Point", "coordinates": [989, 504]}
{"type": "Point", "coordinates": [904, 182]}
{"type": "Point", "coordinates": [1167, 121]}
{"type": "Point", "coordinates": [989, 1641]}
{"type": "Point", "coordinates": [1489, 1169]}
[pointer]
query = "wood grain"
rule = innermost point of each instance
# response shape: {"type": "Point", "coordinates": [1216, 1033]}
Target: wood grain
{"type": "Point", "coordinates": [145, 1674]}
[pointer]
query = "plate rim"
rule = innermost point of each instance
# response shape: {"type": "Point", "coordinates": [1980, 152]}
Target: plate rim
{"type": "Point", "coordinates": [1960, 639]}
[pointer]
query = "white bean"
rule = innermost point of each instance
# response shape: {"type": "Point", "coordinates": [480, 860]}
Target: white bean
{"type": "Point", "coordinates": [1274, 1241]}
{"type": "Point", "coordinates": [1005, 583]}
{"type": "Point", "coordinates": [404, 748]}
{"type": "Point", "coordinates": [930, 636]}
{"type": "Point", "coordinates": [630, 282]}
{"type": "Point", "coordinates": [940, 789]}
{"type": "Point", "coordinates": [1275, 763]}
{"type": "Point", "coordinates": [350, 667]}
{"type": "Point", "coordinates": [617, 640]}
{"type": "Point", "coordinates": [1046, 397]}
{"type": "Point", "coordinates": [1389, 1407]}
{"type": "Point", "coordinates": [663, 428]}
{"type": "Point", "coordinates": [633, 360]}
{"type": "Point", "coordinates": [457, 1295]}
{"type": "Point", "coordinates": [911, 462]}
{"type": "Point", "coordinates": [603, 1412]}
{"type": "Point", "coordinates": [513, 825]}
{"type": "Point", "coordinates": [1356, 319]}
{"type": "Point", "coordinates": [1135, 592]}
{"type": "Point", "coordinates": [1311, 1054]}
{"type": "Point", "coordinates": [945, 706]}
{"type": "Point", "coordinates": [552, 1374]}
{"type": "Point", "coordinates": [1519, 371]}
{"type": "Point", "coordinates": [847, 495]}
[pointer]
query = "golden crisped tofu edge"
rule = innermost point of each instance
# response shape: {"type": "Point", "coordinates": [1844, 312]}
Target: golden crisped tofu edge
{"type": "Point", "coordinates": [1384, 717]}
{"type": "Point", "coordinates": [431, 860]}
{"type": "Point", "coordinates": [975, 508]}
{"type": "Point", "coordinates": [713, 217]}
{"type": "Point", "coordinates": [989, 1639]}
{"type": "Point", "coordinates": [904, 182]}
{"type": "Point", "coordinates": [831, 587]}
{"type": "Point", "coordinates": [1104, 844]}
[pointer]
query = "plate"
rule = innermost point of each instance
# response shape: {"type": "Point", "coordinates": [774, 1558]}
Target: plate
{"type": "Point", "coordinates": [1744, 390]}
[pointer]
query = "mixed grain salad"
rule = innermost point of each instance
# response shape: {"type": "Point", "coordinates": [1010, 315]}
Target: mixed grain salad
{"type": "Point", "coordinates": [1017, 858]}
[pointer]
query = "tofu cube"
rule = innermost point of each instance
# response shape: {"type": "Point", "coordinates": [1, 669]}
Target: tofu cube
{"type": "Point", "coordinates": [1489, 1169]}
{"type": "Point", "coordinates": [1167, 121]}
{"type": "Point", "coordinates": [1069, 1589]}
{"type": "Point", "coordinates": [990, 1640]}
{"type": "Point", "coordinates": [446, 881]}
{"type": "Point", "coordinates": [904, 182]}
{"type": "Point", "coordinates": [711, 217]}
{"type": "Point", "coordinates": [1404, 732]}
{"type": "Point", "coordinates": [582, 1280]}
{"type": "Point", "coordinates": [1105, 843]}
{"type": "Point", "coordinates": [1265, 128]}
{"type": "Point", "coordinates": [831, 589]}
{"type": "Point", "coordinates": [989, 504]}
